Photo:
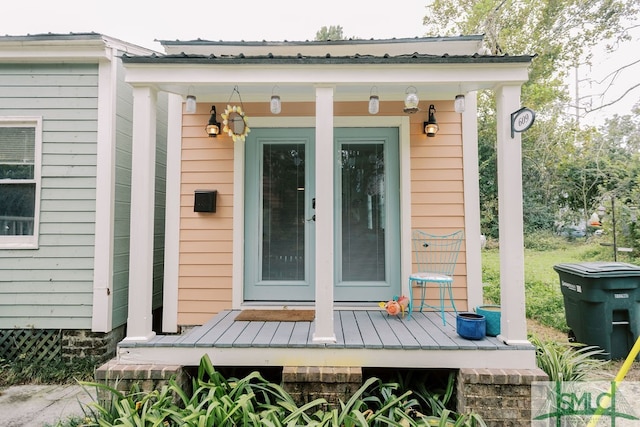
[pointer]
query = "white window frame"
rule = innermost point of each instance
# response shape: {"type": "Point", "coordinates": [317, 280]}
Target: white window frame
{"type": "Point", "coordinates": [27, 242]}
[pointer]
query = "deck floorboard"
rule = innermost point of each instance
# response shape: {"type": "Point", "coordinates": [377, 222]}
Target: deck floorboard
{"type": "Point", "coordinates": [355, 329]}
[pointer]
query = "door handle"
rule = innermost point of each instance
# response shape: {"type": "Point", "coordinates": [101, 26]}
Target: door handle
{"type": "Point", "coordinates": [313, 206]}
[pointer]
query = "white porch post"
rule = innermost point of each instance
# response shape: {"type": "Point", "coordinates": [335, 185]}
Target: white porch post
{"type": "Point", "coordinates": [472, 200]}
{"type": "Point", "coordinates": [324, 280]}
{"type": "Point", "coordinates": [172, 215]}
{"type": "Point", "coordinates": [513, 325]}
{"type": "Point", "coordinates": [139, 321]}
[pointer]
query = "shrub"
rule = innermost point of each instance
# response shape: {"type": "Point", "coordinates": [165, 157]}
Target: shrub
{"type": "Point", "coordinates": [24, 371]}
{"type": "Point", "coordinates": [544, 241]}
{"type": "Point", "coordinates": [253, 401]}
{"type": "Point", "coordinates": [567, 362]}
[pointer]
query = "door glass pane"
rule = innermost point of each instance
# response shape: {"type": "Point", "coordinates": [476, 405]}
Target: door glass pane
{"type": "Point", "coordinates": [283, 212]}
{"type": "Point", "coordinates": [363, 212]}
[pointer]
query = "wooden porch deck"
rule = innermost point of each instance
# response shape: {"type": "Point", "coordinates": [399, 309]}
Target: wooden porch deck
{"type": "Point", "coordinates": [363, 338]}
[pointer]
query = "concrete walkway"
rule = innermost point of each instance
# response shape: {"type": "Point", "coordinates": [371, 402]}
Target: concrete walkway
{"type": "Point", "coordinates": [42, 405]}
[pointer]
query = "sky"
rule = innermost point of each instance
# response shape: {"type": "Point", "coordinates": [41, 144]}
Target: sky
{"type": "Point", "coordinates": [608, 78]}
{"type": "Point", "coordinates": [143, 22]}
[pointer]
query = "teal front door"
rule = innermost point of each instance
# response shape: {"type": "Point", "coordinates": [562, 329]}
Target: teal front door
{"type": "Point", "coordinates": [280, 214]}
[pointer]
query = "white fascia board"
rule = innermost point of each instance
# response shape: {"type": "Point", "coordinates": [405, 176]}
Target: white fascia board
{"type": "Point", "coordinates": [54, 50]}
{"type": "Point", "coordinates": [320, 73]}
{"type": "Point", "coordinates": [89, 50]}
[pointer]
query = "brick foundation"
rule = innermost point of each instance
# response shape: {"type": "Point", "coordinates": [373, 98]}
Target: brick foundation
{"type": "Point", "coordinates": [148, 377]}
{"type": "Point", "coordinates": [80, 343]}
{"type": "Point", "coordinates": [306, 383]}
{"type": "Point", "coordinates": [501, 396]}
{"type": "Point", "coordinates": [54, 346]}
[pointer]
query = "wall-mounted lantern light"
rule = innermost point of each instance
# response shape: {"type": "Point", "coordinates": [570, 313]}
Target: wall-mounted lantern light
{"type": "Point", "coordinates": [431, 126]}
{"type": "Point", "coordinates": [213, 128]}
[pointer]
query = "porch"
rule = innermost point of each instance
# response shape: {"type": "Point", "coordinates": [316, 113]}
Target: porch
{"type": "Point", "coordinates": [364, 338]}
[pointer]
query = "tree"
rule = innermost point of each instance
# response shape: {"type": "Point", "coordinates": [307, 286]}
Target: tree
{"type": "Point", "coordinates": [334, 32]}
{"type": "Point", "coordinates": [560, 33]}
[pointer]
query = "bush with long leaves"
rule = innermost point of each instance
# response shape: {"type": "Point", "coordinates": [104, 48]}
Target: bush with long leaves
{"type": "Point", "coordinates": [567, 361]}
{"type": "Point", "coordinates": [253, 401]}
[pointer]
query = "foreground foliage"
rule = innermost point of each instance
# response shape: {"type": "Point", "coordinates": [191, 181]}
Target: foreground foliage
{"type": "Point", "coordinates": [253, 401]}
{"type": "Point", "coordinates": [25, 371]}
{"type": "Point", "coordinates": [567, 361]}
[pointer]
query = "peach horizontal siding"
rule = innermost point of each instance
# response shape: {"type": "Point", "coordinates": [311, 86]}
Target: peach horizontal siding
{"type": "Point", "coordinates": [205, 238]}
{"type": "Point", "coordinates": [437, 187]}
{"type": "Point", "coordinates": [437, 198]}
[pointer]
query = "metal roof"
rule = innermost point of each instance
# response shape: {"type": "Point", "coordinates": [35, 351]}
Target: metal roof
{"type": "Point", "coordinates": [414, 58]}
{"type": "Point", "coordinates": [438, 66]}
{"type": "Point", "coordinates": [351, 41]}
{"type": "Point", "coordinates": [453, 46]}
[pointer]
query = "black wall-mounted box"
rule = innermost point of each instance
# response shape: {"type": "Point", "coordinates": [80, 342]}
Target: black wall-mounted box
{"type": "Point", "coordinates": [205, 201]}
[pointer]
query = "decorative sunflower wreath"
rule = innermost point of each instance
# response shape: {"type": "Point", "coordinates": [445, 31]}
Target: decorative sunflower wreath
{"type": "Point", "coordinates": [235, 123]}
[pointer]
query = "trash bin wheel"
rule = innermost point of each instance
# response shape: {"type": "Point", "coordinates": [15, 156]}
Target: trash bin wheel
{"type": "Point", "coordinates": [571, 336]}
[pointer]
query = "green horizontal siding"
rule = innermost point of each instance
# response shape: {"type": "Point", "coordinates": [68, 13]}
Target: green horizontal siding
{"type": "Point", "coordinates": [160, 202]}
{"type": "Point", "coordinates": [122, 207]}
{"type": "Point", "coordinates": [52, 287]}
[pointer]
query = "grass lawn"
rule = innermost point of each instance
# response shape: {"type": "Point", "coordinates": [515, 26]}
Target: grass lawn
{"type": "Point", "coordinates": [544, 301]}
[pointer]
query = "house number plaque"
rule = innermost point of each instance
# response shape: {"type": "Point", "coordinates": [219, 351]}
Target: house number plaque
{"type": "Point", "coordinates": [522, 120]}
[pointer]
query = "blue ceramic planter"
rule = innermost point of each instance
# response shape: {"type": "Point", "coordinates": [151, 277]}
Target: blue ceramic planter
{"type": "Point", "coordinates": [471, 326]}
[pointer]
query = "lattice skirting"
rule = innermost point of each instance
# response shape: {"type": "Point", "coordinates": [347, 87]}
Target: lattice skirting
{"type": "Point", "coordinates": [37, 345]}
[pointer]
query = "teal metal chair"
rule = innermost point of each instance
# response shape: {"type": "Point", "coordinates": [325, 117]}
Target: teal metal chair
{"type": "Point", "coordinates": [435, 259]}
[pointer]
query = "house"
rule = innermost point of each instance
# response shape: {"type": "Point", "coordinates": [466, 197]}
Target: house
{"type": "Point", "coordinates": [284, 175]}
{"type": "Point", "coordinates": [316, 198]}
{"type": "Point", "coordinates": [65, 178]}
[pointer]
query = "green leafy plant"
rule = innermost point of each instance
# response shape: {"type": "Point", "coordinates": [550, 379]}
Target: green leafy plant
{"type": "Point", "coordinates": [23, 370]}
{"type": "Point", "coordinates": [253, 401]}
{"type": "Point", "coordinates": [567, 362]}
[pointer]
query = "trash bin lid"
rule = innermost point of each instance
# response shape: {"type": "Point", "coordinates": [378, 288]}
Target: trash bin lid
{"type": "Point", "coordinates": [599, 269]}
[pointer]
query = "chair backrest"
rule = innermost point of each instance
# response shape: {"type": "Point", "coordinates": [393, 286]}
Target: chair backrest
{"type": "Point", "coordinates": [436, 254]}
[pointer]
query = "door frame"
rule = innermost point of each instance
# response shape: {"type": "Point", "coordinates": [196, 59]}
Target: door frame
{"type": "Point", "coordinates": [300, 290]}
{"type": "Point", "coordinates": [403, 125]}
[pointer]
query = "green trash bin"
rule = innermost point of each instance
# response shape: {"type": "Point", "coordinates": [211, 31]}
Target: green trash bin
{"type": "Point", "coordinates": [602, 304]}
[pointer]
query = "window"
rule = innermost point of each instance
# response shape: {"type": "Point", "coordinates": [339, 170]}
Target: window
{"type": "Point", "coordinates": [19, 182]}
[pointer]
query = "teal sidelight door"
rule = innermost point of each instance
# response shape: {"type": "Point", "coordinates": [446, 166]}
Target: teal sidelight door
{"type": "Point", "coordinates": [279, 229]}
{"type": "Point", "coordinates": [367, 221]}
{"type": "Point", "coordinates": [279, 214]}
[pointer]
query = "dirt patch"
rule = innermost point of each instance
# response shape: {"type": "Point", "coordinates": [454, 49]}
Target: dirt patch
{"type": "Point", "coordinates": [546, 333]}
